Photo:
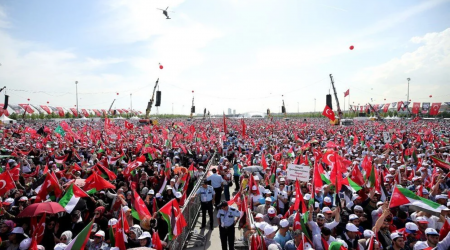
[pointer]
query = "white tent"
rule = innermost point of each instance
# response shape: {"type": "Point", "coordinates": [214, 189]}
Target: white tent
{"type": "Point", "coordinates": [5, 120]}
{"type": "Point", "coordinates": [134, 118]}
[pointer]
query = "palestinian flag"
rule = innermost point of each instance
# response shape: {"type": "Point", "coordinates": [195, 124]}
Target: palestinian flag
{"type": "Point", "coordinates": [80, 240]}
{"type": "Point", "coordinates": [291, 153]}
{"type": "Point", "coordinates": [61, 159]}
{"type": "Point", "coordinates": [171, 213]}
{"type": "Point", "coordinates": [402, 196]}
{"type": "Point", "coordinates": [336, 245]}
{"type": "Point", "coordinates": [70, 200]}
{"type": "Point", "coordinates": [113, 160]}
{"type": "Point", "coordinates": [351, 184]}
{"type": "Point", "coordinates": [441, 163]}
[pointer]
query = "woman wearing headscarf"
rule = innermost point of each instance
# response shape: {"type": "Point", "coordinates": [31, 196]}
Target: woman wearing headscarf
{"type": "Point", "coordinates": [5, 229]}
{"type": "Point", "coordinates": [66, 237]}
{"type": "Point", "coordinates": [100, 219]}
{"type": "Point", "coordinates": [14, 238]}
{"type": "Point", "coordinates": [133, 235]}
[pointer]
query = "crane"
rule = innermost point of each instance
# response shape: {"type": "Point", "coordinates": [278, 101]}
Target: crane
{"type": "Point", "coordinates": [149, 106]}
{"type": "Point", "coordinates": [337, 100]}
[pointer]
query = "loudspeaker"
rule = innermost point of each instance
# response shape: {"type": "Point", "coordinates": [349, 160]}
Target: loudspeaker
{"type": "Point", "coordinates": [193, 109]}
{"type": "Point", "coordinates": [204, 111]}
{"type": "Point", "coordinates": [268, 111]}
{"type": "Point", "coordinates": [5, 105]}
{"type": "Point", "coordinates": [114, 112]}
{"type": "Point", "coordinates": [158, 99]}
{"type": "Point", "coordinates": [148, 105]}
{"type": "Point", "coordinates": [329, 102]}
{"type": "Point", "coordinates": [283, 109]}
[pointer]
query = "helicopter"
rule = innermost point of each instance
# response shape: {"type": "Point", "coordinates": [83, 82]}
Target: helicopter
{"type": "Point", "coordinates": [165, 12]}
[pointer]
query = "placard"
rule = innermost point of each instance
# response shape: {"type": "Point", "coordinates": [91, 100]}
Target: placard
{"type": "Point", "coordinates": [386, 137]}
{"type": "Point", "coordinates": [300, 172]}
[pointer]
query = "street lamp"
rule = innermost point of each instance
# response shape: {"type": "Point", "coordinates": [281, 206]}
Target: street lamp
{"type": "Point", "coordinates": [76, 89]}
{"type": "Point", "coordinates": [407, 98]}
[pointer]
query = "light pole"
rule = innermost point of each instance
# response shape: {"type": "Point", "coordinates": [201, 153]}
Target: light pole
{"type": "Point", "coordinates": [298, 107]}
{"type": "Point", "coordinates": [131, 105]}
{"type": "Point", "coordinates": [407, 98]}
{"type": "Point", "coordinates": [76, 89]}
{"type": "Point", "coordinates": [314, 105]}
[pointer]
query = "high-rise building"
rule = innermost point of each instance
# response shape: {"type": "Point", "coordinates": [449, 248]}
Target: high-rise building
{"type": "Point", "coordinates": [234, 111]}
{"type": "Point", "coordinates": [229, 111]}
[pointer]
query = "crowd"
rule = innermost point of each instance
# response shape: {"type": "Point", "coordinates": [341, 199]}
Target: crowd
{"type": "Point", "coordinates": [373, 185]}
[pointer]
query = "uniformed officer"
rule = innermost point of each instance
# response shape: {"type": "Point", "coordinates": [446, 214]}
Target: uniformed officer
{"type": "Point", "coordinates": [216, 183]}
{"type": "Point", "coordinates": [226, 216]}
{"type": "Point", "coordinates": [207, 194]}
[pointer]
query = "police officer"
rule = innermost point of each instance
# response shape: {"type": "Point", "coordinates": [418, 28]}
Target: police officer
{"type": "Point", "coordinates": [207, 194]}
{"type": "Point", "coordinates": [216, 183]}
{"type": "Point", "coordinates": [225, 217]}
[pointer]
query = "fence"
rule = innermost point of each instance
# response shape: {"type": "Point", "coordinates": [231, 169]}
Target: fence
{"type": "Point", "coordinates": [190, 211]}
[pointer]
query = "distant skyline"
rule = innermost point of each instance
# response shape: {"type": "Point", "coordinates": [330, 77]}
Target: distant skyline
{"type": "Point", "coordinates": [243, 55]}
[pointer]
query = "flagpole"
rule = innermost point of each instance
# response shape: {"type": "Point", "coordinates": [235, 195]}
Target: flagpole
{"type": "Point", "coordinates": [344, 104]}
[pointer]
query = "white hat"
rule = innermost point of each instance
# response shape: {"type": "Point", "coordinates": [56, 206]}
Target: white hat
{"type": "Point", "coordinates": [421, 220]}
{"type": "Point", "coordinates": [256, 178]}
{"type": "Point", "coordinates": [144, 235]}
{"type": "Point", "coordinates": [158, 195]}
{"type": "Point", "coordinates": [316, 204]}
{"type": "Point", "coordinates": [440, 196]}
{"type": "Point", "coordinates": [351, 227]}
{"type": "Point", "coordinates": [261, 225]}
{"type": "Point", "coordinates": [25, 244]}
{"type": "Point", "coordinates": [172, 180]}
{"type": "Point", "coordinates": [60, 246]}
{"type": "Point", "coordinates": [151, 191]}
{"type": "Point", "coordinates": [100, 233]}
{"type": "Point", "coordinates": [358, 208]}
{"type": "Point", "coordinates": [8, 201]}
{"type": "Point", "coordinates": [307, 197]}
{"type": "Point", "coordinates": [254, 188]}
{"type": "Point", "coordinates": [327, 199]}
{"type": "Point", "coordinates": [112, 222]}
{"type": "Point", "coordinates": [380, 203]}
{"type": "Point", "coordinates": [178, 195]}
{"type": "Point", "coordinates": [259, 215]}
{"type": "Point", "coordinates": [284, 223]}
{"type": "Point", "coordinates": [267, 191]}
{"type": "Point", "coordinates": [368, 233]}
{"type": "Point", "coordinates": [431, 231]}
{"type": "Point", "coordinates": [353, 217]}
{"type": "Point", "coordinates": [326, 210]}
{"type": "Point", "coordinates": [169, 188]}
{"type": "Point", "coordinates": [125, 209]}
{"type": "Point", "coordinates": [420, 245]}
{"type": "Point", "coordinates": [395, 236]}
{"type": "Point", "coordinates": [271, 210]}
{"type": "Point", "coordinates": [268, 199]}
{"type": "Point", "coordinates": [224, 168]}
{"type": "Point", "coordinates": [17, 230]}
{"type": "Point", "coordinates": [411, 227]}
{"type": "Point", "coordinates": [269, 229]}
{"type": "Point", "coordinates": [23, 198]}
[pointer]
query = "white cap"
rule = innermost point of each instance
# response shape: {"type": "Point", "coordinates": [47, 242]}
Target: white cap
{"type": "Point", "coordinates": [326, 210]}
{"type": "Point", "coordinates": [158, 195]}
{"type": "Point", "coordinates": [380, 203]}
{"type": "Point", "coordinates": [421, 220]}
{"type": "Point", "coordinates": [267, 191]}
{"type": "Point", "coordinates": [410, 226]}
{"type": "Point", "coordinates": [254, 188]}
{"type": "Point", "coordinates": [100, 233]}
{"type": "Point", "coordinates": [353, 217]}
{"type": "Point", "coordinates": [172, 180]}
{"type": "Point", "coordinates": [125, 209]}
{"type": "Point", "coordinates": [358, 208]}
{"type": "Point", "coordinates": [327, 199]}
{"type": "Point", "coordinates": [259, 215]}
{"type": "Point", "coordinates": [112, 222]}
{"type": "Point", "coordinates": [271, 210]}
{"type": "Point", "coordinates": [431, 231]}
{"type": "Point", "coordinates": [307, 197]}
{"type": "Point", "coordinates": [368, 233]}
{"type": "Point", "coordinates": [60, 246]}
{"type": "Point", "coordinates": [144, 235]}
{"type": "Point", "coordinates": [270, 229]}
{"type": "Point", "coordinates": [256, 178]}
{"type": "Point", "coordinates": [261, 225]}
{"type": "Point", "coordinates": [351, 227]}
{"type": "Point", "coordinates": [284, 223]}
{"type": "Point", "coordinates": [25, 244]}
{"type": "Point", "coordinates": [439, 196]}
{"type": "Point", "coordinates": [420, 245]}
{"type": "Point", "coordinates": [395, 236]}
{"type": "Point", "coordinates": [151, 191]}
{"type": "Point", "coordinates": [17, 230]}
{"type": "Point", "coordinates": [178, 195]}
{"type": "Point", "coordinates": [23, 198]}
{"type": "Point", "coordinates": [268, 199]}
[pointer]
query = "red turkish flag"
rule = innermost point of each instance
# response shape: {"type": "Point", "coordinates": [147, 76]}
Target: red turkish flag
{"type": "Point", "coordinates": [38, 229]}
{"type": "Point", "coordinates": [6, 183]}
{"type": "Point", "coordinates": [434, 110]}
{"type": "Point", "coordinates": [128, 125]}
{"type": "Point", "coordinates": [346, 93]}
{"type": "Point", "coordinates": [416, 107]}
{"type": "Point", "coordinates": [328, 113]}
{"type": "Point", "coordinates": [386, 107]}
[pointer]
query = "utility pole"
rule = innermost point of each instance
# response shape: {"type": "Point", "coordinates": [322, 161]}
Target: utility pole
{"type": "Point", "coordinates": [407, 97]}
{"type": "Point", "coordinates": [76, 89]}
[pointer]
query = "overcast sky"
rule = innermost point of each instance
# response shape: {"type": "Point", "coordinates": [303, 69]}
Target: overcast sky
{"type": "Point", "coordinates": [239, 54]}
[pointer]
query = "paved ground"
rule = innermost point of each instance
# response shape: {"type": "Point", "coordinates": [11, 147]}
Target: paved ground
{"type": "Point", "coordinates": [212, 239]}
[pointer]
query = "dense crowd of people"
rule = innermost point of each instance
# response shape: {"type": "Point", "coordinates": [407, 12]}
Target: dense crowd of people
{"type": "Point", "coordinates": [373, 185]}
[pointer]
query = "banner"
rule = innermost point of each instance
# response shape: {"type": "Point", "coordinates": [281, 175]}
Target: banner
{"type": "Point", "coordinates": [300, 172]}
{"type": "Point", "coordinates": [60, 111]}
{"type": "Point", "coordinates": [47, 109]}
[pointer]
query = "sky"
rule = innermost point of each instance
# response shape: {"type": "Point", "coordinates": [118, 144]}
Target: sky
{"type": "Point", "coordinates": [246, 55]}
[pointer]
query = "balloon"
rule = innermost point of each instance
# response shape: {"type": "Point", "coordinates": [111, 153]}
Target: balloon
{"type": "Point", "coordinates": [192, 91]}
{"type": "Point", "coordinates": [385, 99]}
{"type": "Point", "coordinates": [352, 47]}
{"type": "Point", "coordinates": [117, 93]}
{"type": "Point", "coordinates": [48, 102]}
{"type": "Point", "coordinates": [160, 66]}
{"type": "Point", "coordinates": [431, 96]}
{"type": "Point", "coordinates": [28, 99]}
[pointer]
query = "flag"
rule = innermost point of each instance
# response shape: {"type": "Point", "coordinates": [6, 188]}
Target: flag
{"type": "Point", "coordinates": [129, 125]}
{"type": "Point", "coordinates": [357, 176]}
{"type": "Point", "coordinates": [171, 213]}
{"type": "Point", "coordinates": [95, 183]}
{"type": "Point", "coordinates": [107, 123]}
{"type": "Point", "coordinates": [50, 184]}
{"type": "Point", "coordinates": [263, 161]}
{"type": "Point", "coordinates": [81, 239]}
{"type": "Point", "coordinates": [434, 110]}
{"type": "Point", "coordinates": [38, 229]}
{"type": "Point", "coordinates": [444, 230]}
{"type": "Point", "coordinates": [291, 152]}
{"type": "Point", "coordinates": [60, 131]}
{"type": "Point", "coordinates": [351, 184]}
{"type": "Point", "coordinates": [346, 93]}
{"type": "Point", "coordinates": [140, 207]}
{"type": "Point", "coordinates": [235, 199]}
{"type": "Point", "coordinates": [70, 199]}
{"type": "Point", "coordinates": [415, 108]}
{"type": "Point", "coordinates": [224, 124]}
{"type": "Point", "coordinates": [440, 163]}
{"type": "Point", "coordinates": [244, 127]}
{"type": "Point", "coordinates": [156, 241]}
{"type": "Point", "coordinates": [336, 245]}
{"type": "Point", "coordinates": [401, 196]}
{"type": "Point", "coordinates": [120, 237]}
{"type": "Point", "coordinates": [61, 159]}
{"type": "Point", "coordinates": [328, 113]}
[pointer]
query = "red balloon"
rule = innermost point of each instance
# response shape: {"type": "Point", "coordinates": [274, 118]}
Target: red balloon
{"type": "Point", "coordinates": [192, 91]}
{"type": "Point", "coordinates": [352, 47]}
{"type": "Point", "coordinates": [431, 96]}
{"type": "Point", "coordinates": [160, 66]}
{"type": "Point", "coordinates": [48, 102]}
{"type": "Point", "coordinates": [28, 99]}
{"type": "Point", "coordinates": [117, 93]}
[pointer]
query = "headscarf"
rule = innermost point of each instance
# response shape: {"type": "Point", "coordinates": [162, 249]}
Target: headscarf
{"type": "Point", "coordinates": [68, 235]}
{"type": "Point", "coordinates": [136, 229]}
{"type": "Point", "coordinates": [10, 224]}
{"type": "Point", "coordinates": [101, 210]}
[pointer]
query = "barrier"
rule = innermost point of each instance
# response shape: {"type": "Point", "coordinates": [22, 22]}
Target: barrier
{"type": "Point", "coordinates": [190, 211]}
